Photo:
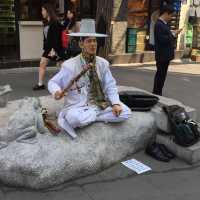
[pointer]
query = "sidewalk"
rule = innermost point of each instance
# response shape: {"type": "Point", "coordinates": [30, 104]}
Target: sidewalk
{"type": "Point", "coordinates": [177, 66]}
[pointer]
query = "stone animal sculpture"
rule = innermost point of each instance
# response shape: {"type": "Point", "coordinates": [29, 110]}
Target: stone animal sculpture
{"type": "Point", "coordinates": [4, 93]}
{"type": "Point", "coordinates": [24, 123]}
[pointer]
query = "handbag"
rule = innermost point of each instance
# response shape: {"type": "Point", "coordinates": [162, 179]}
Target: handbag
{"type": "Point", "coordinates": [64, 38]}
{"type": "Point", "coordinates": [185, 130]}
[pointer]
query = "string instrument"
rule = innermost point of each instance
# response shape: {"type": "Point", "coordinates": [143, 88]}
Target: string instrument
{"type": "Point", "coordinates": [49, 123]}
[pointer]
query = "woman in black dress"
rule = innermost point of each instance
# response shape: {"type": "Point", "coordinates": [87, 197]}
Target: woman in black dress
{"type": "Point", "coordinates": [51, 44]}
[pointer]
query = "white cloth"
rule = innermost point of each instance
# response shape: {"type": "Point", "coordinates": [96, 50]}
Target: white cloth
{"type": "Point", "coordinates": [82, 116]}
{"type": "Point", "coordinates": [163, 20]}
{"type": "Point", "coordinates": [196, 2]}
{"type": "Point", "coordinates": [192, 11]}
{"type": "Point", "coordinates": [154, 17]}
{"type": "Point", "coordinates": [198, 11]}
{"type": "Point", "coordinates": [46, 29]}
{"type": "Point", "coordinates": [77, 111]}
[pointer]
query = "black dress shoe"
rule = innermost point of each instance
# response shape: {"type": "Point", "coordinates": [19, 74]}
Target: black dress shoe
{"type": "Point", "coordinates": [154, 151]}
{"type": "Point", "coordinates": [166, 151]}
{"type": "Point", "coordinates": [39, 87]}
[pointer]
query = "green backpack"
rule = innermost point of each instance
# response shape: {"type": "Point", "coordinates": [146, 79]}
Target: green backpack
{"type": "Point", "coordinates": [185, 130]}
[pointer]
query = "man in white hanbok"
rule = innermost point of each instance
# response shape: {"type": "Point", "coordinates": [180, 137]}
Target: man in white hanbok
{"type": "Point", "coordinates": [94, 97]}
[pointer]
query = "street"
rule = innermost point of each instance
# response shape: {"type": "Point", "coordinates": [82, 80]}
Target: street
{"type": "Point", "coordinates": [167, 181]}
{"type": "Point", "coordinates": [182, 82]}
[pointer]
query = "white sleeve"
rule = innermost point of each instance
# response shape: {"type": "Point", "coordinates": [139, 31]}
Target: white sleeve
{"type": "Point", "coordinates": [59, 81]}
{"type": "Point", "coordinates": [110, 87]}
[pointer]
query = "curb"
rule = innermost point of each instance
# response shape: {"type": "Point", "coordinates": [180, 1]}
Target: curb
{"type": "Point", "coordinates": [150, 64]}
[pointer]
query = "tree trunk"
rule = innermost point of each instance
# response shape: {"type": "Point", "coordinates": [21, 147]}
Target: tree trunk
{"type": "Point", "coordinates": [103, 21]}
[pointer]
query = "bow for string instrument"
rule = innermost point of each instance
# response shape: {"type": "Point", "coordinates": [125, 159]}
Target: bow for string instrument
{"type": "Point", "coordinates": [74, 80]}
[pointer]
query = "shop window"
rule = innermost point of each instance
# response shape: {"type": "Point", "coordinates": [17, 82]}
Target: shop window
{"type": "Point", "coordinates": [88, 9]}
{"type": "Point", "coordinates": [8, 48]}
{"type": "Point", "coordinates": [31, 9]}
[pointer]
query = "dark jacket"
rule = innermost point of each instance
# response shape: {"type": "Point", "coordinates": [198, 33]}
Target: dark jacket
{"type": "Point", "coordinates": [53, 40]}
{"type": "Point", "coordinates": [69, 24]}
{"type": "Point", "coordinates": [164, 42]}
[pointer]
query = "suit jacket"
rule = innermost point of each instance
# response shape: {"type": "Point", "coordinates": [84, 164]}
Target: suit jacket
{"type": "Point", "coordinates": [164, 42]}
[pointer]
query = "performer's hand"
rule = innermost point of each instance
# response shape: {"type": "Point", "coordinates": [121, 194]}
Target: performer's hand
{"type": "Point", "coordinates": [58, 95]}
{"type": "Point", "coordinates": [117, 109]}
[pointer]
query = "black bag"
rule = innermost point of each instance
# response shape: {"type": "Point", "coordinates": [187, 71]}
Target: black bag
{"type": "Point", "coordinates": [138, 101]}
{"type": "Point", "coordinates": [185, 130]}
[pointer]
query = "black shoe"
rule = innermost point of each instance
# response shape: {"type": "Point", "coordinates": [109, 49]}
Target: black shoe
{"type": "Point", "coordinates": [39, 87]}
{"type": "Point", "coordinates": [166, 151]}
{"type": "Point", "coordinates": [154, 151]}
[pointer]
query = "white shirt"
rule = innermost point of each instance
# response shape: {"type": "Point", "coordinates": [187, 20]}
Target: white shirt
{"type": "Point", "coordinates": [70, 69]}
{"type": "Point", "coordinates": [163, 20]}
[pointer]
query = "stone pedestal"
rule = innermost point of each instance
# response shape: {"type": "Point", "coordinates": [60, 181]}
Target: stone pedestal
{"type": "Point", "coordinates": [189, 154]}
{"type": "Point", "coordinates": [4, 94]}
{"type": "Point", "coordinates": [52, 160]}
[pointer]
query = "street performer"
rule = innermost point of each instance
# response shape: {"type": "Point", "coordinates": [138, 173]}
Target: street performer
{"type": "Point", "coordinates": [87, 85]}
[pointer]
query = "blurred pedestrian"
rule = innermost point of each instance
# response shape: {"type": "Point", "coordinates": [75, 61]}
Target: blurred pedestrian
{"type": "Point", "coordinates": [69, 21]}
{"type": "Point", "coordinates": [52, 44]}
{"type": "Point", "coordinates": [164, 47]}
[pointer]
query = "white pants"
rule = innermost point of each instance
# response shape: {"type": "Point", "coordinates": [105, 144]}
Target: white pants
{"type": "Point", "coordinates": [82, 116]}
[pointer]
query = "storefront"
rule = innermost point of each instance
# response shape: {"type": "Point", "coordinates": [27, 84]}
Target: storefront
{"type": "Point", "coordinates": [21, 36]}
{"type": "Point", "coordinates": [21, 31]}
{"type": "Point", "coordinates": [142, 15]}
{"type": "Point", "coordinates": [8, 30]}
{"type": "Point", "coordinates": [193, 32]}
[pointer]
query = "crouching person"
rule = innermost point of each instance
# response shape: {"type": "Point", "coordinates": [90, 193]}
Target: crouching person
{"type": "Point", "coordinates": [87, 85]}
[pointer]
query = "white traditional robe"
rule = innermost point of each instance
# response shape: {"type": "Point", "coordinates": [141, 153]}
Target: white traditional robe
{"type": "Point", "coordinates": [78, 111]}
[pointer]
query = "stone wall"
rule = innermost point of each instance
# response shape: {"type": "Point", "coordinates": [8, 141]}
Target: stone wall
{"type": "Point", "coordinates": [118, 37]}
{"type": "Point", "coordinates": [119, 27]}
{"type": "Point", "coordinates": [184, 15]}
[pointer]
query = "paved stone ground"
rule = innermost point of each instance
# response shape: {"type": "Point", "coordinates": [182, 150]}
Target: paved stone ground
{"type": "Point", "coordinates": [167, 181]}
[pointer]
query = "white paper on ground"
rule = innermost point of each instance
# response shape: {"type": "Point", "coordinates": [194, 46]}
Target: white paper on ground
{"type": "Point", "coordinates": [136, 166]}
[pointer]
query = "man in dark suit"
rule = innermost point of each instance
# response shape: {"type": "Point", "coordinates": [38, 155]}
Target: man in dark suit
{"type": "Point", "coordinates": [164, 47]}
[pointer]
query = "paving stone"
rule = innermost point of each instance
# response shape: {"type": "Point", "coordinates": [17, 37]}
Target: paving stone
{"type": "Point", "coordinates": [127, 189]}
{"type": "Point", "coordinates": [2, 196]}
{"type": "Point", "coordinates": [75, 193]}
{"type": "Point", "coordinates": [154, 186]}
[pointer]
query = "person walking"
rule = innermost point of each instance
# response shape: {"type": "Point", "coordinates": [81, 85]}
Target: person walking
{"type": "Point", "coordinates": [69, 26]}
{"type": "Point", "coordinates": [69, 21]}
{"type": "Point", "coordinates": [52, 44]}
{"type": "Point", "coordinates": [164, 47]}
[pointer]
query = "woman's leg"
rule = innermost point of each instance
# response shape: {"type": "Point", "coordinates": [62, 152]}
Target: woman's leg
{"type": "Point", "coordinates": [42, 69]}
